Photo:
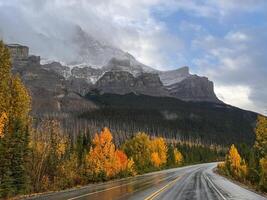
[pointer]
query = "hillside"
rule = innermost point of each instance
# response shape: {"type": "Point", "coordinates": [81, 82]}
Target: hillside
{"type": "Point", "coordinates": [172, 118]}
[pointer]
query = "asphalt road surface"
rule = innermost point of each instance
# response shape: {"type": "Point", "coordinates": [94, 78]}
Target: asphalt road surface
{"type": "Point", "coordinates": [187, 183]}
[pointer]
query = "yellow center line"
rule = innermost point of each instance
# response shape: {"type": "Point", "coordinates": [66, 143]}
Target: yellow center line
{"type": "Point", "coordinates": [155, 194]}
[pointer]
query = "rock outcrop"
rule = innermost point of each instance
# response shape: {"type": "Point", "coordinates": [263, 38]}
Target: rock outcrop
{"type": "Point", "coordinates": [128, 64]}
{"type": "Point", "coordinates": [174, 76]}
{"type": "Point", "coordinates": [58, 68]}
{"type": "Point", "coordinates": [194, 88]}
{"type": "Point", "coordinates": [122, 82]}
{"type": "Point", "coordinates": [89, 74]}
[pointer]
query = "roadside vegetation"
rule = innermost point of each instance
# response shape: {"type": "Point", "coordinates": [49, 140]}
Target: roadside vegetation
{"type": "Point", "coordinates": [45, 158]}
{"type": "Point", "coordinates": [249, 164]}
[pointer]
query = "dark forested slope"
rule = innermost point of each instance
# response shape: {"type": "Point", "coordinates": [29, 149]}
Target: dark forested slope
{"type": "Point", "coordinates": [172, 118]}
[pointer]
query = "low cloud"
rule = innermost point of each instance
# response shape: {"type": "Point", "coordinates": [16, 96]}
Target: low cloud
{"type": "Point", "coordinates": [238, 65]}
{"type": "Point", "coordinates": [217, 38]}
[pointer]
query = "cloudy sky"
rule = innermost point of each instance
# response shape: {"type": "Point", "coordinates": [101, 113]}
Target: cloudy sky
{"type": "Point", "coordinates": [225, 40]}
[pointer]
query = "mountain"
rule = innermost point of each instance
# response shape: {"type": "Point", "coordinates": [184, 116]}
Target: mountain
{"type": "Point", "coordinates": [58, 68]}
{"type": "Point", "coordinates": [174, 76]}
{"type": "Point", "coordinates": [53, 83]}
{"type": "Point", "coordinates": [128, 97]}
{"type": "Point", "coordinates": [89, 74]}
{"type": "Point", "coordinates": [194, 88]}
{"type": "Point", "coordinates": [90, 59]}
{"type": "Point", "coordinates": [128, 64]}
{"type": "Point", "coordinates": [123, 82]}
{"type": "Point", "coordinates": [93, 52]}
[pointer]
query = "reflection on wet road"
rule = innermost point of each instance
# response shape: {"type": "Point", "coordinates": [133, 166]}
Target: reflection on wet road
{"type": "Point", "coordinates": [191, 182]}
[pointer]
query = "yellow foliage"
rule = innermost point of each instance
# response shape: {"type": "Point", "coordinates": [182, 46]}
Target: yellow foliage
{"type": "Point", "coordinates": [263, 172]}
{"type": "Point", "coordinates": [221, 165]}
{"type": "Point", "coordinates": [40, 147]}
{"type": "Point", "coordinates": [68, 173]}
{"type": "Point", "coordinates": [14, 98]}
{"type": "Point", "coordinates": [155, 159]}
{"type": "Point", "coordinates": [159, 151]}
{"type": "Point", "coordinates": [261, 135]}
{"type": "Point", "coordinates": [49, 136]}
{"type": "Point", "coordinates": [61, 148]}
{"type": "Point", "coordinates": [139, 148]}
{"type": "Point", "coordinates": [3, 119]}
{"type": "Point", "coordinates": [130, 167]}
{"type": "Point", "coordinates": [5, 78]}
{"type": "Point", "coordinates": [236, 165]}
{"type": "Point", "coordinates": [104, 158]}
{"type": "Point", "coordinates": [178, 156]}
{"type": "Point", "coordinates": [20, 100]}
{"type": "Point", "coordinates": [48, 140]}
{"type": "Point", "coordinates": [234, 157]}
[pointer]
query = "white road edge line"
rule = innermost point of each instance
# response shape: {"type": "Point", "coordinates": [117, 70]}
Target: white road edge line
{"type": "Point", "coordinates": [212, 184]}
{"type": "Point", "coordinates": [153, 195]}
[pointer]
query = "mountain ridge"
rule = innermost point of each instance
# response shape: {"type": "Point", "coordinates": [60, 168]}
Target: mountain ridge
{"type": "Point", "coordinates": [124, 75]}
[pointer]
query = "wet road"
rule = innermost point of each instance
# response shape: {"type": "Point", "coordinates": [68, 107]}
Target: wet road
{"type": "Point", "coordinates": [189, 183]}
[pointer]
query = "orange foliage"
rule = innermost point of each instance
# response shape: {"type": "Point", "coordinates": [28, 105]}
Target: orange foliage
{"type": "Point", "coordinates": [155, 159]}
{"type": "Point", "coordinates": [104, 158]}
{"type": "Point", "coordinates": [123, 160]}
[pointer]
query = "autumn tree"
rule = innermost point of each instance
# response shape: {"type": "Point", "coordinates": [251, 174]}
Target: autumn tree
{"type": "Point", "coordinates": [68, 173]}
{"type": "Point", "coordinates": [159, 151]}
{"type": "Point", "coordinates": [178, 157]}
{"type": "Point", "coordinates": [263, 173]}
{"type": "Point", "coordinates": [14, 114]}
{"type": "Point", "coordinates": [14, 98]}
{"type": "Point", "coordinates": [256, 157]}
{"type": "Point", "coordinates": [5, 79]}
{"type": "Point", "coordinates": [48, 148]}
{"type": "Point", "coordinates": [104, 161]}
{"type": "Point", "coordinates": [20, 101]}
{"type": "Point", "coordinates": [139, 148]}
{"type": "Point", "coordinates": [261, 136]}
{"type": "Point", "coordinates": [3, 120]}
{"type": "Point", "coordinates": [235, 165]}
{"type": "Point", "coordinates": [261, 147]}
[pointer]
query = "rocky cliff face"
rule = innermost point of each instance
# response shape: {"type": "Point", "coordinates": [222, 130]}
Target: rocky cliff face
{"type": "Point", "coordinates": [174, 76]}
{"type": "Point", "coordinates": [51, 91]}
{"type": "Point", "coordinates": [194, 88]}
{"type": "Point", "coordinates": [89, 74]}
{"type": "Point", "coordinates": [58, 68]}
{"type": "Point", "coordinates": [128, 64]}
{"type": "Point", "coordinates": [122, 82]}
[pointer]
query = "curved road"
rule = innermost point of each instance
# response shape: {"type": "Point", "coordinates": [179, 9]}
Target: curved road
{"type": "Point", "coordinates": [191, 182]}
